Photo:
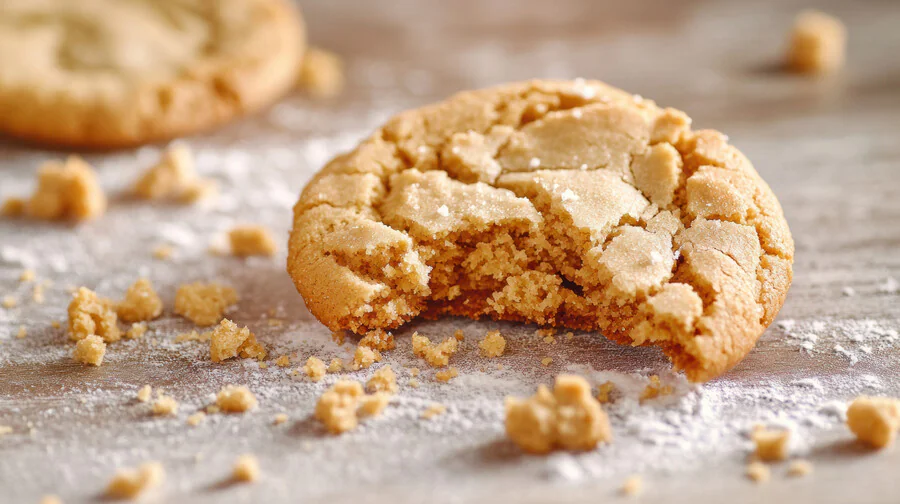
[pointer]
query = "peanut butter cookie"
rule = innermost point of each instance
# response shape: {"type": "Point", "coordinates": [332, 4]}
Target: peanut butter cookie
{"type": "Point", "coordinates": [560, 203]}
{"type": "Point", "coordinates": [106, 73]}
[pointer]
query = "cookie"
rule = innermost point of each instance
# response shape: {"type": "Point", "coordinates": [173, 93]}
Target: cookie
{"type": "Point", "coordinates": [560, 203]}
{"type": "Point", "coordinates": [106, 73]}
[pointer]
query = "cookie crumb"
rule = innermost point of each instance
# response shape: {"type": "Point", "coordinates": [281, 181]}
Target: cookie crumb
{"type": "Point", "coordinates": [283, 361]}
{"type": "Point", "coordinates": [27, 275]}
{"type": "Point", "coordinates": [91, 315]}
{"type": "Point", "coordinates": [50, 499]}
{"type": "Point", "coordinates": [249, 241]}
{"type": "Point", "coordinates": [315, 368]}
{"type": "Point", "coordinates": [144, 393]}
{"type": "Point", "coordinates": [165, 405]}
{"type": "Point", "coordinates": [173, 177]}
{"type": "Point", "coordinates": [633, 486]}
{"type": "Point", "coordinates": [22, 333]}
{"type": "Point", "coordinates": [5, 429]}
{"type": "Point", "coordinates": [568, 418]}
{"type": "Point", "coordinates": [90, 350]}
{"type": "Point", "coordinates": [383, 380]}
{"type": "Point", "coordinates": [414, 383]}
{"type": "Point", "coordinates": [66, 190]}
{"type": "Point", "coordinates": [364, 357]}
{"type": "Point", "coordinates": [435, 355]}
{"type": "Point", "coordinates": [280, 418]}
{"type": "Point", "coordinates": [235, 399]}
{"type": "Point", "coordinates": [204, 303]}
{"type": "Point", "coordinates": [874, 420]}
{"type": "Point", "coordinates": [818, 43]}
{"type": "Point", "coordinates": [758, 472]}
{"type": "Point", "coordinates": [196, 419]}
{"type": "Point", "coordinates": [194, 336]}
{"type": "Point", "coordinates": [546, 361]}
{"type": "Point", "coordinates": [799, 468]}
{"type": "Point", "coordinates": [336, 365]}
{"type": "Point", "coordinates": [336, 407]}
{"type": "Point", "coordinates": [13, 207]}
{"type": "Point", "coordinates": [227, 340]}
{"type": "Point", "coordinates": [605, 390]}
{"type": "Point", "coordinates": [379, 340]}
{"type": "Point", "coordinates": [446, 375]}
{"type": "Point", "coordinates": [246, 469]}
{"type": "Point", "coordinates": [37, 294]}
{"type": "Point", "coordinates": [322, 73]}
{"type": "Point", "coordinates": [414, 371]}
{"type": "Point", "coordinates": [373, 405]}
{"type": "Point", "coordinates": [136, 331]}
{"type": "Point", "coordinates": [459, 335]}
{"type": "Point", "coordinates": [655, 389]}
{"type": "Point", "coordinates": [141, 303]}
{"type": "Point", "coordinates": [130, 483]}
{"type": "Point", "coordinates": [771, 444]}
{"type": "Point", "coordinates": [493, 344]}
{"type": "Point", "coordinates": [163, 252]}
{"type": "Point", "coordinates": [9, 302]}
{"type": "Point", "coordinates": [433, 410]}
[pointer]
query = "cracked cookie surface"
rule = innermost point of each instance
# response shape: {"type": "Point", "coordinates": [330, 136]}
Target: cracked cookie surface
{"type": "Point", "coordinates": [563, 203]}
{"type": "Point", "coordinates": [106, 73]}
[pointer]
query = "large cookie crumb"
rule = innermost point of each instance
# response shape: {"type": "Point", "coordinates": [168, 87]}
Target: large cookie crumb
{"type": "Point", "coordinates": [874, 420]}
{"type": "Point", "coordinates": [202, 303]}
{"type": "Point", "coordinates": [322, 73]}
{"type": "Point", "coordinates": [228, 340]}
{"type": "Point", "coordinates": [818, 43]}
{"type": "Point", "coordinates": [340, 407]}
{"type": "Point", "coordinates": [141, 303]}
{"type": "Point", "coordinates": [91, 315]}
{"type": "Point", "coordinates": [174, 178]}
{"type": "Point", "coordinates": [235, 399]}
{"type": "Point", "coordinates": [568, 418]}
{"type": "Point", "coordinates": [131, 483]}
{"type": "Point", "coordinates": [251, 241]}
{"type": "Point", "coordinates": [90, 350]}
{"type": "Point", "coordinates": [771, 444]}
{"type": "Point", "coordinates": [493, 344]}
{"type": "Point", "coordinates": [66, 191]}
{"type": "Point", "coordinates": [435, 355]}
{"type": "Point", "coordinates": [383, 380]}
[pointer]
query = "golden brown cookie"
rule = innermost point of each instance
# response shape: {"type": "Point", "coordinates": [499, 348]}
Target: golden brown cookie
{"type": "Point", "coordinates": [107, 73]}
{"type": "Point", "coordinates": [560, 203]}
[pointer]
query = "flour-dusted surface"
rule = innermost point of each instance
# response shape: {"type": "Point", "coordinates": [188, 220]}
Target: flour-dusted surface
{"type": "Point", "coordinates": [827, 147]}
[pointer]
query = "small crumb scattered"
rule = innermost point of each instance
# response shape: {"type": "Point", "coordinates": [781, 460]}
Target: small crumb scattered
{"type": "Point", "coordinates": [550, 340]}
{"type": "Point", "coordinates": [364, 357]}
{"type": "Point", "coordinates": [546, 361]}
{"type": "Point", "coordinates": [235, 399]}
{"type": "Point", "coordinates": [50, 499]}
{"type": "Point", "coordinates": [771, 444]}
{"type": "Point", "coordinates": [414, 371]}
{"type": "Point", "coordinates": [433, 410]}
{"type": "Point", "coordinates": [141, 303]}
{"type": "Point", "coordinates": [799, 468]}
{"type": "Point", "coordinates": [56, 324]}
{"type": "Point", "coordinates": [196, 419]}
{"type": "Point", "coordinates": [22, 333]}
{"type": "Point", "coordinates": [336, 365]}
{"type": "Point", "coordinates": [249, 241]}
{"type": "Point", "coordinates": [130, 483]}
{"type": "Point", "coordinates": [136, 331]}
{"type": "Point", "coordinates": [280, 418]}
{"type": "Point", "coordinates": [435, 355]}
{"type": "Point", "coordinates": [874, 420]}
{"type": "Point", "coordinates": [568, 418]}
{"type": "Point", "coordinates": [283, 361]}
{"type": "Point", "coordinates": [446, 375]}
{"type": "Point", "coordinates": [163, 252]}
{"type": "Point", "coordinates": [5, 429]}
{"type": "Point", "coordinates": [204, 303]}
{"type": "Point", "coordinates": [383, 380]}
{"type": "Point", "coordinates": [246, 469]}
{"type": "Point", "coordinates": [655, 389]}
{"type": "Point", "coordinates": [493, 344]}
{"type": "Point", "coordinates": [66, 190]}
{"type": "Point", "coordinates": [373, 405]}
{"type": "Point", "coordinates": [606, 389]}
{"type": "Point", "coordinates": [37, 293]}
{"type": "Point", "coordinates": [340, 407]}
{"type": "Point", "coordinates": [818, 43]}
{"type": "Point", "coordinates": [228, 340]}
{"type": "Point", "coordinates": [459, 335]}
{"type": "Point", "coordinates": [315, 368]}
{"type": "Point", "coordinates": [633, 486]}
{"type": "Point", "coordinates": [27, 275]}
{"type": "Point", "coordinates": [91, 315]}
{"type": "Point", "coordinates": [758, 472]}
{"type": "Point", "coordinates": [144, 393]}
{"type": "Point", "coordinates": [322, 73]}
{"type": "Point", "coordinates": [414, 383]}
{"type": "Point", "coordinates": [174, 178]}
{"type": "Point", "coordinates": [379, 340]}
{"type": "Point", "coordinates": [9, 302]}
{"type": "Point", "coordinates": [90, 350]}
{"type": "Point", "coordinates": [165, 405]}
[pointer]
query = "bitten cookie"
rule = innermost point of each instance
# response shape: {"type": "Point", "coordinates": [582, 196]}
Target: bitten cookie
{"type": "Point", "coordinates": [560, 203]}
{"type": "Point", "coordinates": [107, 73]}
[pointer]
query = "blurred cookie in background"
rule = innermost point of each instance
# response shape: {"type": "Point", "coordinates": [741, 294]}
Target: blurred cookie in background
{"type": "Point", "coordinates": [106, 73]}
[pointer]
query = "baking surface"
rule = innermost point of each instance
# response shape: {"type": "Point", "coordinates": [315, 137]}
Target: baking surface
{"type": "Point", "coordinates": [828, 148]}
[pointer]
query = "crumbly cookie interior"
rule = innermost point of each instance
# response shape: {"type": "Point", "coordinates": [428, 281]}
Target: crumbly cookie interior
{"type": "Point", "coordinates": [558, 203]}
